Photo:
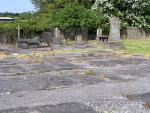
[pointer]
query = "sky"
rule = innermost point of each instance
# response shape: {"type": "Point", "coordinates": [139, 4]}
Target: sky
{"type": "Point", "coordinates": [16, 6]}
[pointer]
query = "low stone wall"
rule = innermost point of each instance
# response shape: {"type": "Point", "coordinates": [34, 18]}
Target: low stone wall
{"type": "Point", "coordinates": [148, 35]}
{"type": "Point", "coordinates": [134, 33]}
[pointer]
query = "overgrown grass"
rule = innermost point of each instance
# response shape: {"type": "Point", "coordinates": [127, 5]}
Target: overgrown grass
{"type": "Point", "coordinates": [137, 46]}
{"type": "Point", "coordinates": [93, 47]}
{"type": "Point", "coordinates": [39, 54]}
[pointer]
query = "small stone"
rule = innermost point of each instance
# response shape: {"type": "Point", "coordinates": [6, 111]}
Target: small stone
{"type": "Point", "coordinates": [8, 93]}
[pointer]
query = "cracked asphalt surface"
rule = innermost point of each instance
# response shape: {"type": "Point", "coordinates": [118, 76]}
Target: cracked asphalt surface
{"type": "Point", "coordinates": [75, 83]}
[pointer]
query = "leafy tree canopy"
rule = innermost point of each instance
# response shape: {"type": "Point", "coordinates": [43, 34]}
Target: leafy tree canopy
{"type": "Point", "coordinates": [131, 12]}
{"type": "Point", "coordinates": [62, 3]}
{"type": "Point", "coordinates": [77, 16]}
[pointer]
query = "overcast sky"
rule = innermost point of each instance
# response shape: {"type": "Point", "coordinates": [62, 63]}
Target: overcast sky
{"type": "Point", "coordinates": [16, 6]}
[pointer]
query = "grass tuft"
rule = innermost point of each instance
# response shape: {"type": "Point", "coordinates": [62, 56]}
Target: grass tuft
{"type": "Point", "coordinates": [89, 72]}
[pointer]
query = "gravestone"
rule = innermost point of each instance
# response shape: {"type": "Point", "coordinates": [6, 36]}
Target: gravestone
{"type": "Point", "coordinates": [81, 35]}
{"type": "Point", "coordinates": [99, 33]}
{"type": "Point", "coordinates": [114, 29]}
{"type": "Point", "coordinates": [56, 40]}
{"type": "Point", "coordinates": [2, 38]}
{"type": "Point", "coordinates": [28, 43]}
{"type": "Point", "coordinates": [79, 39]}
{"type": "Point", "coordinates": [46, 38]}
{"type": "Point", "coordinates": [62, 38]}
{"type": "Point", "coordinates": [18, 29]}
{"type": "Point", "coordinates": [22, 45]}
{"type": "Point", "coordinates": [85, 35]}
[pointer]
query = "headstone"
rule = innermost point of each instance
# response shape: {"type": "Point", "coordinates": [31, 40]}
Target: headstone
{"type": "Point", "coordinates": [56, 40]}
{"type": "Point", "coordinates": [78, 36]}
{"type": "Point", "coordinates": [99, 33]}
{"type": "Point", "coordinates": [23, 45]}
{"type": "Point", "coordinates": [81, 35]}
{"type": "Point", "coordinates": [18, 29]}
{"type": "Point", "coordinates": [45, 39]}
{"type": "Point", "coordinates": [1, 38]}
{"type": "Point", "coordinates": [62, 38]}
{"type": "Point", "coordinates": [49, 38]}
{"type": "Point", "coordinates": [114, 29]}
{"type": "Point", "coordinates": [28, 43]}
{"type": "Point", "coordinates": [79, 39]}
{"type": "Point", "coordinates": [85, 35]}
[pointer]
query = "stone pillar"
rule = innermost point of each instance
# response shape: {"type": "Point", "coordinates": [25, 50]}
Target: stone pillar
{"type": "Point", "coordinates": [99, 33]}
{"type": "Point", "coordinates": [114, 29]}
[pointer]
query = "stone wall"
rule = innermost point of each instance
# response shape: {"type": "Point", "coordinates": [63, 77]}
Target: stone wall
{"type": "Point", "coordinates": [147, 34]}
{"type": "Point", "coordinates": [134, 33]}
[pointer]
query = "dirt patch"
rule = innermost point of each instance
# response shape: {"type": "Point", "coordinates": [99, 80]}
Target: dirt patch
{"type": "Point", "coordinates": [147, 105]}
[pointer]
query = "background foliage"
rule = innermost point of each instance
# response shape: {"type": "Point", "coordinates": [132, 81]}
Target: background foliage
{"type": "Point", "coordinates": [66, 14]}
{"type": "Point", "coordinates": [131, 12]}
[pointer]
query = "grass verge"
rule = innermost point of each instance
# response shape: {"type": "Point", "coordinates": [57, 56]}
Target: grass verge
{"type": "Point", "coordinates": [136, 46]}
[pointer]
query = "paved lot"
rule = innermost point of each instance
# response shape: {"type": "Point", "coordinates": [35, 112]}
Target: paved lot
{"type": "Point", "coordinates": [75, 83]}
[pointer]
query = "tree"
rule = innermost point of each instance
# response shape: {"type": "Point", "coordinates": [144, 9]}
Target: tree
{"type": "Point", "coordinates": [62, 3]}
{"type": "Point", "coordinates": [8, 14]}
{"type": "Point", "coordinates": [131, 12]}
{"type": "Point", "coordinates": [26, 16]}
{"type": "Point", "coordinates": [77, 16]}
{"type": "Point", "coordinates": [38, 3]}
